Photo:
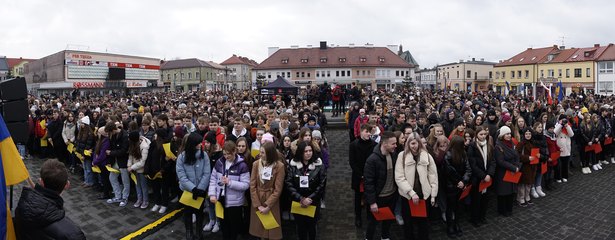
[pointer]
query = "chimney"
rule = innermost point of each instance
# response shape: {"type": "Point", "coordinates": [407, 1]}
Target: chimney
{"type": "Point", "coordinates": [482, 59]}
{"type": "Point", "coordinates": [369, 45]}
{"type": "Point", "coordinates": [529, 48]}
{"type": "Point", "coordinates": [473, 60]}
{"type": "Point", "coordinates": [294, 46]}
{"type": "Point", "coordinates": [562, 47]}
{"type": "Point", "coordinates": [460, 60]}
{"type": "Point", "coordinates": [597, 45]}
{"type": "Point", "coordinates": [351, 45]}
{"type": "Point", "coordinates": [272, 50]}
{"type": "Point", "coordinates": [323, 45]}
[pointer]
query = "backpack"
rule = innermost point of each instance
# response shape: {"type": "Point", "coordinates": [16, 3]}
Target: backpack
{"type": "Point", "coordinates": [39, 130]}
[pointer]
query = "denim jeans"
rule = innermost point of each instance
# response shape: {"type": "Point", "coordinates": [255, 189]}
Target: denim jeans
{"type": "Point", "coordinates": [120, 193]}
{"type": "Point", "coordinates": [22, 150]}
{"type": "Point", "coordinates": [88, 175]}
{"type": "Point", "coordinates": [538, 179]}
{"type": "Point", "coordinates": [142, 193]}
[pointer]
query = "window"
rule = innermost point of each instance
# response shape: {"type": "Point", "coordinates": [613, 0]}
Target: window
{"type": "Point", "coordinates": [542, 73]}
{"type": "Point", "coordinates": [358, 73]}
{"type": "Point", "coordinates": [559, 73]}
{"type": "Point", "coordinates": [577, 72]}
{"type": "Point", "coordinates": [168, 76]}
{"type": "Point", "coordinates": [363, 59]}
{"type": "Point", "coordinates": [550, 57]}
{"type": "Point", "coordinates": [457, 74]}
{"type": "Point", "coordinates": [182, 76]}
{"type": "Point", "coordinates": [348, 73]}
{"type": "Point", "coordinates": [317, 74]}
{"type": "Point", "coordinates": [328, 73]}
{"type": "Point", "coordinates": [527, 74]}
{"type": "Point", "coordinates": [337, 73]}
{"type": "Point", "coordinates": [512, 74]}
{"type": "Point", "coordinates": [343, 73]}
{"type": "Point", "coordinates": [381, 59]}
{"type": "Point", "coordinates": [362, 72]}
{"type": "Point", "coordinates": [468, 74]}
{"type": "Point", "coordinates": [302, 74]}
{"type": "Point", "coordinates": [323, 59]}
{"type": "Point", "coordinates": [288, 74]}
{"type": "Point", "coordinates": [369, 72]}
{"type": "Point", "coordinates": [268, 75]}
{"type": "Point", "coordinates": [397, 73]}
{"type": "Point", "coordinates": [297, 74]}
{"type": "Point", "coordinates": [342, 59]}
{"type": "Point", "coordinates": [497, 75]}
{"type": "Point", "coordinates": [285, 61]}
{"type": "Point", "coordinates": [304, 60]}
{"type": "Point", "coordinates": [605, 67]}
{"type": "Point", "coordinates": [503, 75]}
{"type": "Point", "coordinates": [588, 72]}
{"type": "Point", "coordinates": [402, 73]}
{"type": "Point", "coordinates": [605, 87]}
{"type": "Point", "coordinates": [567, 72]}
{"type": "Point", "coordinates": [490, 75]}
{"type": "Point", "coordinates": [308, 74]}
{"type": "Point", "coordinates": [550, 73]}
{"type": "Point", "coordinates": [519, 74]}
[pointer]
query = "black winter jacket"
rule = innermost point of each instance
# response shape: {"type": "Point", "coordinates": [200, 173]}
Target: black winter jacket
{"type": "Point", "coordinates": [477, 163]}
{"type": "Point", "coordinates": [375, 172]}
{"type": "Point", "coordinates": [40, 215]}
{"type": "Point", "coordinates": [359, 151]}
{"type": "Point", "coordinates": [119, 149]}
{"type": "Point", "coordinates": [317, 177]}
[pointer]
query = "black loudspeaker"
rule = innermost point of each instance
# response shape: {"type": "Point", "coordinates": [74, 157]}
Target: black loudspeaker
{"type": "Point", "coordinates": [15, 111]}
{"type": "Point", "coordinates": [13, 89]}
{"type": "Point", "coordinates": [19, 131]}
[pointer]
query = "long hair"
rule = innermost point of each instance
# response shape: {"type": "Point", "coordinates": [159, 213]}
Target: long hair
{"type": "Point", "coordinates": [457, 149]}
{"type": "Point", "coordinates": [134, 148]}
{"type": "Point", "coordinates": [487, 140]}
{"type": "Point", "coordinates": [300, 149]}
{"type": "Point", "coordinates": [85, 132]}
{"type": "Point", "coordinates": [271, 154]}
{"type": "Point", "coordinates": [412, 137]}
{"type": "Point", "coordinates": [431, 139]}
{"type": "Point", "coordinates": [192, 141]}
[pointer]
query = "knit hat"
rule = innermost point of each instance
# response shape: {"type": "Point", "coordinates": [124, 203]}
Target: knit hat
{"type": "Point", "coordinates": [162, 133]}
{"type": "Point", "coordinates": [550, 124]}
{"type": "Point", "coordinates": [491, 112]}
{"type": "Point", "coordinates": [179, 132]}
{"type": "Point", "coordinates": [133, 136]}
{"type": "Point", "coordinates": [85, 120]}
{"type": "Point", "coordinates": [503, 131]}
{"type": "Point", "coordinates": [562, 116]}
{"type": "Point", "coordinates": [457, 122]}
{"type": "Point", "coordinates": [506, 118]}
{"type": "Point", "coordinates": [316, 134]}
{"type": "Point", "coordinates": [312, 118]}
{"type": "Point", "coordinates": [267, 137]}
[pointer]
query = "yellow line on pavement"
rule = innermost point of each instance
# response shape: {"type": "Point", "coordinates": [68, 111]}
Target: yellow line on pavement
{"type": "Point", "coordinates": [152, 225]}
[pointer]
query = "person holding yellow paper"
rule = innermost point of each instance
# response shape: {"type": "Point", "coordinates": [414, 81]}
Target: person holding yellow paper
{"type": "Point", "coordinates": [85, 141]}
{"type": "Point", "coordinates": [156, 165]}
{"type": "Point", "coordinates": [193, 172]}
{"type": "Point", "coordinates": [100, 160]}
{"type": "Point", "coordinates": [68, 134]}
{"type": "Point", "coordinates": [266, 185]}
{"type": "Point", "coordinates": [229, 180]}
{"type": "Point", "coordinates": [117, 156]}
{"type": "Point", "coordinates": [306, 179]}
{"type": "Point", "coordinates": [138, 150]}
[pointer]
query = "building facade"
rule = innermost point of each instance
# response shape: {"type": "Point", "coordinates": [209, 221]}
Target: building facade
{"type": "Point", "coordinates": [605, 76]}
{"type": "Point", "coordinates": [368, 66]}
{"type": "Point", "coordinates": [4, 68]}
{"type": "Point", "coordinates": [17, 66]}
{"type": "Point", "coordinates": [192, 74]}
{"type": "Point", "coordinates": [470, 76]}
{"type": "Point", "coordinates": [240, 71]}
{"type": "Point", "coordinates": [426, 78]}
{"type": "Point", "coordinates": [92, 72]}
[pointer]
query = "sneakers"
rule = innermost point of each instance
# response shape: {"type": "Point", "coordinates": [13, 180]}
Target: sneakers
{"type": "Point", "coordinates": [564, 180]}
{"type": "Point", "coordinates": [155, 208]}
{"type": "Point", "coordinates": [599, 166]}
{"type": "Point", "coordinates": [613, 160]}
{"type": "Point", "coordinates": [529, 202]}
{"type": "Point", "coordinates": [144, 205]}
{"type": "Point", "coordinates": [540, 192]}
{"type": "Point", "coordinates": [123, 203]}
{"type": "Point", "coordinates": [163, 209]}
{"type": "Point", "coordinates": [522, 204]}
{"type": "Point", "coordinates": [322, 204]}
{"type": "Point", "coordinates": [137, 204]}
{"type": "Point", "coordinates": [209, 226]}
{"type": "Point", "coordinates": [174, 200]}
{"type": "Point", "coordinates": [399, 220]}
{"type": "Point", "coordinates": [588, 170]}
{"type": "Point", "coordinates": [560, 181]}
{"type": "Point", "coordinates": [533, 193]}
{"type": "Point", "coordinates": [113, 200]}
{"type": "Point", "coordinates": [216, 227]}
{"type": "Point", "coordinates": [605, 162]}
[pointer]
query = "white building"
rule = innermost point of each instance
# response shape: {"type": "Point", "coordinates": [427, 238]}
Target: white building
{"type": "Point", "coordinates": [605, 66]}
{"type": "Point", "coordinates": [425, 78]}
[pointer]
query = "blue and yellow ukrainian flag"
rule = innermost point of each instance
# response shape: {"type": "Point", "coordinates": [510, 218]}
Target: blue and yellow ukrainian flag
{"type": "Point", "coordinates": [12, 171]}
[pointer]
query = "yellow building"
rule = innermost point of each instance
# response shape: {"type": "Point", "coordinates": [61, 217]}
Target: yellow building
{"type": "Point", "coordinates": [520, 71]}
{"type": "Point", "coordinates": [471, 76]}
{"type": "Point", "coordinates": [17, 66]}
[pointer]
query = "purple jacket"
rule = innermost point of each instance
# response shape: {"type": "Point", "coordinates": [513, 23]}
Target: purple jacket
{"type": "Point", "coordinates": [101, 158]}
{"type": "Point", "coordinates": [239, 175]}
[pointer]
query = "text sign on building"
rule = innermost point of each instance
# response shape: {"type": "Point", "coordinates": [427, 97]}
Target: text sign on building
{"type": "Point", "coordinates": [88, 85]}
{"type": "Point", "coordinates": [136, 84]}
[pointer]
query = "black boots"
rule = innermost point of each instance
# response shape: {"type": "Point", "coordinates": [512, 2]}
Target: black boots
{"type": "Point", "coordinates": [450, 229]}
{"type": "Point", "coordinates": [358, 222]}
{"type": "Point", "coordinates": [189, 234]}
{"type": "Point", "coordinates": [458, 229]}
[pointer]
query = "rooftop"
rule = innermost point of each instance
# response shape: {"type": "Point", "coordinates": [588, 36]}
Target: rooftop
{"type": "Point", "coordinates": [239, 60]}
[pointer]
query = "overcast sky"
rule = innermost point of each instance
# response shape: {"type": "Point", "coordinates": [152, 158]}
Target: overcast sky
{"type": "Point", "coordinates": [436, 32]}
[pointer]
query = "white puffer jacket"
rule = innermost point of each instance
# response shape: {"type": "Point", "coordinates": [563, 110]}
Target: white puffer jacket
{"type": "Point", "coordinates": [138, 164]}
{"type": "Point", "coordinates": [405, 174]}
{"type": "Point", "coordinates": [563, 139]}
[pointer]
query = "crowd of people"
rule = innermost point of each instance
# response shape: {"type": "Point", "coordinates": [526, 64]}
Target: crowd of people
{"type": "Point", "coordinates": [246, 156]}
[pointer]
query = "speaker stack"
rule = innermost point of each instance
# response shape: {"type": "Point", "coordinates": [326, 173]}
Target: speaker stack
{"type": "Point", "coordinates": [14, 108]}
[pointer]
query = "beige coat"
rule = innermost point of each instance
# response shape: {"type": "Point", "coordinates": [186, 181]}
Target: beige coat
{"type": "Point", "coordinates": [405, 174]}
{"type": "Point", "coordinates": [266, 193]}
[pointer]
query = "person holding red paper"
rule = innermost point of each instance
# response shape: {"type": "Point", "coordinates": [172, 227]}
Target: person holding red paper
{"type": "Point", "coordinates": [480, 156]}
{"type": "Point", "coordinates": [457, 175]}
{"type": "Point", "coordinates": [416, 177]}
{"type": "Point", "coordinates": [604, 120]}
{"type": "Point", "coordinates": [563, 131]}
{"type": "Point", "coordinates": [590, 133]}
{"type": "Point", "coordinates": [359, 151]}
{"type": "Point", "coordinates": [528, 171]}
{"type": "Point", "coordinates": [507, 159]}
{"type": "Point", "coordinates": [553, 156]}
{"type": "Point", "coordinates": [540, 142]}
{"type": "Point", "coordinates": [380, 187]}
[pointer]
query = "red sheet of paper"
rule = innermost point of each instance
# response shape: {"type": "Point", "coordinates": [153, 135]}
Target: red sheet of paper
{"type": "Point", "coordinates": [418, 210]}
{"type": "Point", "coordinates": [555, 156]}
{"type": "Point", "coordinates": [608, 141]}
{"type": "Point", "coordinates": [535, 152]}
{"type": "Point", "coordinates": [589, 148]}
{"type": "Point", "coordinates": [484, 185]}
{"type": "Point", "coordinates": [597, 148]}
{"type": "Point", "coordinates": [384, 214]}
{"type": "Point", "coordinates": [512, 177]}
{"type": "Point", "coordinates": [466, 191]}
{"type": "Point", "coordinates": [362, 186]}
{"type": "Point", "coordinates": [515, 142]}
{"type": "Point", "coordinates": [543, 168]}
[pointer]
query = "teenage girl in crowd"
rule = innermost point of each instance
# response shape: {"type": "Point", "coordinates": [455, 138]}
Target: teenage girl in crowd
{"type": "Point", "coordinates": [457, 174]}
{"type": "Point", "coordinates": [482, 162]}
{"type": "Point", "coordinates": [507, 159]}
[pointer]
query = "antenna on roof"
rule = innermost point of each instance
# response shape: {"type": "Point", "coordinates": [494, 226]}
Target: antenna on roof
{"type": "Point", "coordinates": [562, 37]}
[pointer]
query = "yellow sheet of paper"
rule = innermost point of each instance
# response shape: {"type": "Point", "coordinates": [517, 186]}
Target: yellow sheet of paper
{"type": "Point", "coordinates": [167, 150]}
{"type": "Point", "coordinates": [134, 178]}
{"type": "Point", "coordinates": [296, 208]}
{"type": "Point", "coordinates": [255, 152]}
{"type": "Point", "coordinates": [113, 170]}
{"type": "Point", "coordinates": [267, 220]}
{"type": "Point", "coordinates": [87, 153]}
{"type": "Point", "coordinates": [70, 147]}
{"type": "Point", "coordinates": [219, 210]}
{"type": "Point", "coordinates": [95, 169]}
{"type": "Point", "coordinates": [158, 175]}
{"type": "Point", "coordinates": [44, 142]}
{"type": "Point", "coordinates": [187, 200]}
{"type": "Point", "coordinates": [79, 156]}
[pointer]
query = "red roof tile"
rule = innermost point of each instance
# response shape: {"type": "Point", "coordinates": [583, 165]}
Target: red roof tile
{"type": "Point", "coordinates": [239, 60]}
{"type": "Point", "coordinates": [608, 54]}
{"type": "Point", "coordinates": [529, 56]}
{"type": "Point", "coordinates": [290, 58]}
{"type": "Point", "coordinates": [16, 61]}
{"type": "Point", "coordinates": [587, 54]}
